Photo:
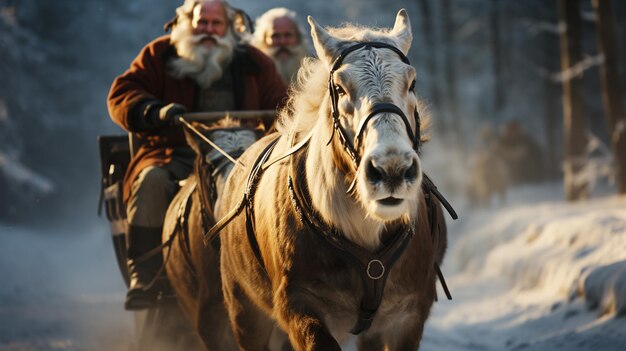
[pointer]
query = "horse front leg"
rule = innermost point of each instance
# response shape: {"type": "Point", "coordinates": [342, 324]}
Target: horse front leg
{"type": "Point", "coordinates": [407, 342]}
{"type": "Point", "coordinates": [406, 337]}
{"type": "Point", "coordinates": [213, 324]}
{"type": "Point", "coordinates": [306, 329]}
{"type": "Point", "coordinates": [370, 343]}
{"type": "Point", "coordinates": [308, 333]}
{"type": "Point", "coordinates": [250, 327]}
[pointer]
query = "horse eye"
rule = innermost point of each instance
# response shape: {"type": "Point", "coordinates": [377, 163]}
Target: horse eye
{"type": "Point", "coordinates": [412, 87]}
{"type": "Point", "coordinates": [340, 91]}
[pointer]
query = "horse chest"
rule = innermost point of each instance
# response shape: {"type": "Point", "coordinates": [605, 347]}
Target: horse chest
{"type": "Point", "coordinates": [336, 288]}
{"type": "Point", "coordinates": [335, 291]}
{"type": "Point", "coordinates": [337, 297]}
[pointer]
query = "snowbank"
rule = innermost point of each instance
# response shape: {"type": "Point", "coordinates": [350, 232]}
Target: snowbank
{"type": "Point", "coordinates": [565, 250]}
{"type": "Point", "coordinates": [536, 274]}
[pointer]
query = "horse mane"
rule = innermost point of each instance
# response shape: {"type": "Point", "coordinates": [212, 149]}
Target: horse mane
{"type": "Point", "coordinates": [307, 93]}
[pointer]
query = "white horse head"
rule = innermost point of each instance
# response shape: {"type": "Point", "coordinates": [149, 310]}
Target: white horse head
{"type": "Point", "coordinates": [388, 173]}
{"type": "Point", "coordinates": [360, 95]}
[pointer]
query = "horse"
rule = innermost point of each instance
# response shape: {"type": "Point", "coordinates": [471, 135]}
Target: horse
{"type": "Point", "coordinates": [192, 267]}
{"type": "Point", "coordinates": [340, 233]}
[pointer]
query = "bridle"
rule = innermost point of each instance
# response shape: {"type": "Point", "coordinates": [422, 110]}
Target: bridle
{"type": "Point", "coordinates": [352, 147]}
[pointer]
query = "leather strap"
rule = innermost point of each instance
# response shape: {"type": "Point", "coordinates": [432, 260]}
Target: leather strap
{"type": "Point", "coordinates": [385, 107]}
{"type": "Point", "coordinates": [431, 186]}
{"type": "Point", "coordinates": [253, 180]}
{"type": "Point", "coordinates": [291, 150]}
{"type": "Point", "coordinates": [372, 268]}
{"type": "Point", "coordinates": [247, 198]}
{"type": "Point", "coordinates": [429, 189]}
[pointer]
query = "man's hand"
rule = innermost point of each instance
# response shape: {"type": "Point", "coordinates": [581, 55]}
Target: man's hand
{"type": "Point", "coordinates": [153, 114]}
{"type": "Point", "coordinates": [168, 112]}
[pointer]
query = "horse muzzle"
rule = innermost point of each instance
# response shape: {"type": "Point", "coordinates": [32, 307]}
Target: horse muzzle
{"type": "Point", "coordinates": [392, 176]}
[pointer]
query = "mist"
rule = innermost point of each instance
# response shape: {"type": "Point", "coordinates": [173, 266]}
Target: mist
{"type": "Point", "coordinates": [61, 288]}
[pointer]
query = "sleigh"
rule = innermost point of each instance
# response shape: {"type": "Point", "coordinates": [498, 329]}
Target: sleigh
{"type": "Point", "coordinates": [163, 327]}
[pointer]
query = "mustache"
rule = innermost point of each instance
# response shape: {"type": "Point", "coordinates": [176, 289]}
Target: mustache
{"type": "Point", "coordinates": [201, 38]}
{"type": "Point", "coordinates": [283, 49]}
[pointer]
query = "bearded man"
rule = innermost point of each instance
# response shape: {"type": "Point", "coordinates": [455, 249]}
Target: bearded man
{"type": "Point", "coordinates": [201, 66]}
{"type": "Point", "coordinates": [279, 36]}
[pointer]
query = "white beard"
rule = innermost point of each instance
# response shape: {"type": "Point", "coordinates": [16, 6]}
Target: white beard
{"type": "Point", "coordinates": [287, 67]}
{"type": "Point", "coordinates": [196, 61]}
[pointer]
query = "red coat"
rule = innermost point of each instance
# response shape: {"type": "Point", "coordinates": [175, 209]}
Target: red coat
{"type": "Point", "coordinates": [258, 86]}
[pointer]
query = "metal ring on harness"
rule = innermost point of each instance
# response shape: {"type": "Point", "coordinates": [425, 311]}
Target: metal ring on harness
{"type": "Point", "coordinates": [378, 265]}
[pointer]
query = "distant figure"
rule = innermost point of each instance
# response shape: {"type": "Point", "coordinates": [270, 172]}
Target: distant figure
{"type": "Point", "coordinates": [488, 173]}
{"type": "Point", "coordinates": [522, 154]}
{"type": "Point", "coordinates": [278, 35]}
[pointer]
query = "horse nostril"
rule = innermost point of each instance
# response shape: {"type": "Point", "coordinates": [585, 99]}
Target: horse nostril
{"type": "Point", "coordinates": [411, 172]}
{"type": "Point", "coordinates": [372, 173]}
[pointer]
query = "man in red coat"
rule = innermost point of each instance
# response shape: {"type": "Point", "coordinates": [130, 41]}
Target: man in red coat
{"type": "Point", "coordinates": [201, 66]}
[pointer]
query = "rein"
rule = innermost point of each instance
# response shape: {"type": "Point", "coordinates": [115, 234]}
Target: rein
{"type": "Point", "coordinates": [246, 201]}
{"type": "Point", "coordinates": [208, 141]}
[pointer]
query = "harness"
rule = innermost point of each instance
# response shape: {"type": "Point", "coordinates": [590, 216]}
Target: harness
{"type": "Point", "coordinates": [372, 268]}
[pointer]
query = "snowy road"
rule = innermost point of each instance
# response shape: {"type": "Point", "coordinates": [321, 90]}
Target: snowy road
{"type": "Point", "coordinates": [62, 291]}
{"type": "Point", "coordinates": [488, 317]}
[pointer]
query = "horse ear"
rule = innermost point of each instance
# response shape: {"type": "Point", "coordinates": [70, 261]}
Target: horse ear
{"type": "Point", "coordinates": [402, 31]}
{"type": "Point", "coordinates": [325, 45]}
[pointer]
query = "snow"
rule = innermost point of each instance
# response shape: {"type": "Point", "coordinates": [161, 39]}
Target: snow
{"type": "Point", "coordinates": [550, 246]}
{"type": "Point", "coordinates": [538, 274]}
{"type": "Point", "coordinates": [534, 274]}
{"type": "Point", "coordinates": [61, 291]}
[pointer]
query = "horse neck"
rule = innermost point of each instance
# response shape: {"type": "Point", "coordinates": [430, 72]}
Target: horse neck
{"type": "Point", "coordinates": [202, 172]}
{"type": "Point", "coordinates": [327, 186]}
{"type": "Point", "coordinates": [241, 138]}
{"type": "Point", "coordinates": [220, 178]}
